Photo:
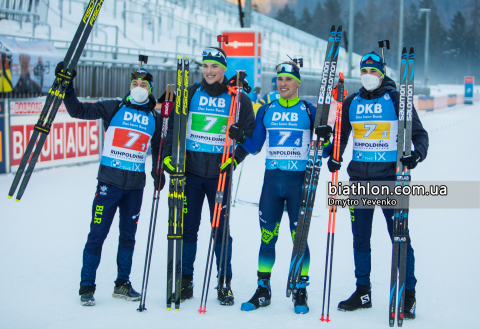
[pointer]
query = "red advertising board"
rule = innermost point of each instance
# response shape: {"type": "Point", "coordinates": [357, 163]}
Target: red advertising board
{"type": "Point", "coordinates": [70, 140]}
{"type": "Point", "coordinates": [470, 80]}
{"type": "Point", "coordinates": [240, 44]}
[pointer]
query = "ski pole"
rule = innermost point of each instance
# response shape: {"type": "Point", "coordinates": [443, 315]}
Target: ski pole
{"type": "Point", "coordinates": [226, 224]}
{"type": "Point", "coordinates": [216, 213]}
{"type": "Point", "coordinates": [333, 209]}
{"type": "Point", "coordinates": [238, 184]}
{"type": "Point", "coordinates": [166, 110]}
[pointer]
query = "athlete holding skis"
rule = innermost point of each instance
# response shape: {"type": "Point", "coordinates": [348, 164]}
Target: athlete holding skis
{"type": "Point", "coordinates": [208, 107]}
{"type": "Point", "coordinates": [287, 125]}
{"type": "Point", "coordinates": [372, 113]}
{"type": "Point", "coordinates": [130, 125]}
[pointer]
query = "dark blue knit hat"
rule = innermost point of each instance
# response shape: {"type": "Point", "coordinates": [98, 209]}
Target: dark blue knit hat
{"type": "Point", "coordinates": [289, 70]}
{"type": "Point", "coordinates": [212, 55]}
{"type": "Point", "coordinates": [372, 61]}
{"type": "Point", "coordinates": [143, 74]}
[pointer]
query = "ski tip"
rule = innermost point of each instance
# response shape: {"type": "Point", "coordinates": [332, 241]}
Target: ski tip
{"type": "Point", "coordinates": [332, 29]}
{"type": "Point", "coordinates": [404, 50]}
{"type": "Point", "coordinates": [9, 196]}
{"type": "Point", "coordinates": [169, 308]}
{"type": "Point", "coordinates": [18, 200]}
{"type": "Point", "coordinates": [340, 74]}
{"type": "Point", "coordinates": [339, 28]}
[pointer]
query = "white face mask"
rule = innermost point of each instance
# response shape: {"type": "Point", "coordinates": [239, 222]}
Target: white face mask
{"type": "Point", "coordinates": [370, 82]}
{"type": "Point", "coordinates": [139, 94]}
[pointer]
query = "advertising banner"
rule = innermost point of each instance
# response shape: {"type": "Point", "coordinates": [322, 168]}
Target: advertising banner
{"type": "Point", "coordinates": [244, 53]}
{"type": "Point", "coordinates": [32, 64]}
{"type": "Point", "coordinates": [70, 140]}
{"type": "Point", "coordinates": [469, 82]}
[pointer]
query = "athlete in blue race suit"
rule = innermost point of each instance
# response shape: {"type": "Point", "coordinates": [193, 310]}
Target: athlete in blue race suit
{"type": "Point", "coordinates": [130, 126]}
{"type": "Point", "coordinates": [286, 126]}
{"type": "Point", "coordinates": [372, 115]}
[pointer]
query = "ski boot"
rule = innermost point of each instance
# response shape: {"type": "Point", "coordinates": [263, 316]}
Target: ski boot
{"type": "Point", "coordinates": [361, 298]}
{"type": "Point", "coordinates": [124, 289]}
{"type": "Point", "coordinates": [300, 299]}
{"type": "Point", "coordinates": [86, 295]}
{"type": "Point", "coordinates": [225, 294]}
{"type": "Point", "coordinates": [410, 305]}
{"type": "Point", "coordinates": [187, 288]}
{"type": "Point", "coordinates": [262, 296]}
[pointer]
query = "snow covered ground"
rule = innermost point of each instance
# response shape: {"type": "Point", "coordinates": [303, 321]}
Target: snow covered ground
{"type": "Point", "coordinates": [42, 238]}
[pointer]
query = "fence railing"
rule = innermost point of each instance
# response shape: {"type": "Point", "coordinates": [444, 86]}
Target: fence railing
{"type": "Point", "coordinates": [17, 7]}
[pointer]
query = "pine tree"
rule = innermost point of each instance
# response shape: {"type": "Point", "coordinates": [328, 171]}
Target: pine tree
{"type": "Point", "coordinates": [332, 13]}
{"type": "Point", "coordinates": [319, 28]}
{"type": "Point", "coordinates": [287, 16]}
{"type": "Point", "coordinates": [305, 21]}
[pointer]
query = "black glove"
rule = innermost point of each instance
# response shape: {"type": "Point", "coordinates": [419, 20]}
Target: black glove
{"type": "Point", "coordinates": [236, 132]}
{"type": "Point", "coordinates": [243, 78]}
{"type": "Point", "coordinates": [158, 180]}
{"type": "Point", "coordinates": [412, 160]}
{"type": "Point", "coordinates": [334, 165]}
{"type": "Point", "coordinates": [324, 132]}
{"type": "Point", "coordinates": [58, 70]}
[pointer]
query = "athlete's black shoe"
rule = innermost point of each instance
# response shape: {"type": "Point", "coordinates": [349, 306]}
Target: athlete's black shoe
{"type": "Point", "coordinates": [124, 289]}
{"type": "Point", "coordinates": [300, 299]}
{"type": "Point", "coordinates": [187, 288]}
{"type": "Point", "coordinates": [361, 298]}
{"type": "Point", "coordinates": [410, 305]}
{"type": "Point", "coordinates": [262, 296]}
{"type": "Point", "coordinates": [86, 295]}
{"type": "Point", "coordinates": [224, 293]}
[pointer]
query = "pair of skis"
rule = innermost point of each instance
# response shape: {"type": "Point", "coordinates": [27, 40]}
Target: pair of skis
{"type": "Point", "coordinates": [340, 94]}
{"type": "Point", "coordinates": [54, 99]}
{"type": "Point", "coordinates": [312, 172]}
{"type": "Point", "coordinates": [165, 113]}
{"type": "Point", "coordinates": [177, 185]}
{"type": "Point", "coordinates": [400, 226]}
{"type": "Point", "coordinates": [228, 146]}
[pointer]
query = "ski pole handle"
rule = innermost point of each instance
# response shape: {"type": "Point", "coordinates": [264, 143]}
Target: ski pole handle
{"type": "Point", "coordinates": [167, 105]}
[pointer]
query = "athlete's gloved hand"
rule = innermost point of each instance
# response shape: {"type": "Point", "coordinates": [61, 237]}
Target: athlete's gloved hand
{"type": "Point", "coordinates": [167, 165]}
{"type": "Point", "coordinates": [334, 165]}
{"type": "Point", "coordinates": [412, 160]}
{"type": "Point", "coordinates": [158, 180]}
{"type": "Point", "coordinates": [324, 132]}
{"type": "Point", "coordinates": [58, 70]}
{"type": "Point", "coordinates": [236, 132]}
{"type": "Point", "coordinates": [226, 166]}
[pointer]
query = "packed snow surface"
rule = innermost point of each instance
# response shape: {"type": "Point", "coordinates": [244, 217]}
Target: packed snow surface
{"type": "Point", "coordinates": [42, 238]}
